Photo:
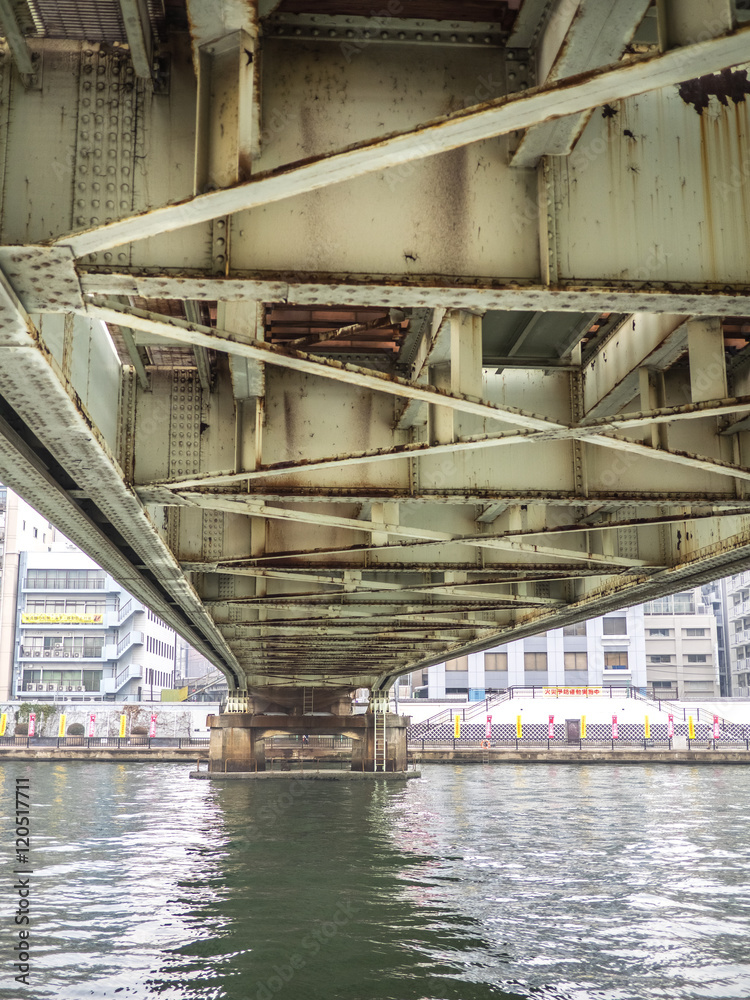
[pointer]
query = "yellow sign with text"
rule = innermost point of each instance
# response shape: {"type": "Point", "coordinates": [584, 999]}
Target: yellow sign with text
{"type": "Point", "coordinates": [61, 727]}
{"type": "Point", "coordinates": [583, 727]}
{"type": "Point", "coordinates": [3, 723]}
{"type": "Point", "coordinates": [646, 727]}
{"type": "Point", "coordinates": [457, 726]}
{"type": "Point", "coordinates": [691, 728]}
{"type": "Point", "coordinates": [61, 619]}
{"type": "Point", "coordinates": [519, 732]}
{"type": "Point", "coordinates": [123, 724]}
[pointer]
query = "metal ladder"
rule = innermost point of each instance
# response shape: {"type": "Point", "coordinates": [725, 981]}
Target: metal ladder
{"type": "Point", "coordinates": [379, 711]}
{"type": "Point", "coordinates": [307, 700]}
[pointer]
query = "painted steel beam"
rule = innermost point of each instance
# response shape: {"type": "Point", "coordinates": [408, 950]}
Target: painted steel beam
{"type": "Point", "coordinates": [678, 297]}
{"type": "Point", "coordinates": [252, 509]}
{"type": "Point", "coordinates": [621, 421]}
{"type": "Point", "coordinates": [140, 38]}
{"type": "Point", "coordinates": [594, 33]}
{"type": "Point", "coordinates": [562, 529]}
{"type": "Point", "coordinates": [257, 350]}
{"type": "Point", "coordinates": [484, 121]}
{"type": "Point", "coordinates": [11, 30]}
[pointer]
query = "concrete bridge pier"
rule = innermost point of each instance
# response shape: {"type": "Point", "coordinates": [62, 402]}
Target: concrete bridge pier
{"type": "Point", "coordinates": [236, 743]}
{"type": "Point", "coordinates": [364, 755]}
{"type": "Point", "coordinates": [237, 738]}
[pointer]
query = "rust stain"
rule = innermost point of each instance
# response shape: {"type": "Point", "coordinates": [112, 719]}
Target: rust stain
{"type": "Point", "coordinates": [725, 86]}
{"type": "Point", "coordinates": [709, 246]}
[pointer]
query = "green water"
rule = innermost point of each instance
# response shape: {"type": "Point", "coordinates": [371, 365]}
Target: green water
{"type": "Point", "coordinates": [550, 882]}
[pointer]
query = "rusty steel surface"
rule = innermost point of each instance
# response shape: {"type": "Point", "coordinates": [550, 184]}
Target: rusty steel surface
{"type": "Point", "coordinates": [293, 346]}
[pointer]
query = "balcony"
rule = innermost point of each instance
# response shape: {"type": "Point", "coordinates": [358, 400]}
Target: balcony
{"type": "Point", "coordinates": [133, 670]}
{"type": "Point", "coordinates": [130, 607]}
{"type": "Point", "coordinates": [133, 638]}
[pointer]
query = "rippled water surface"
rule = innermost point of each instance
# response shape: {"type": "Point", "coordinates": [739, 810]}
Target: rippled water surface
{"type": "Point", "coordinates": [549, 882]}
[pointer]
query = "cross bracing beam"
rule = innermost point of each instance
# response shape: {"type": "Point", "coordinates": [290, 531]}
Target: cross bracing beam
{"type": "Point", "coordinates": [485, 121]}
{"type": "Point", "coordinates": [622, 421]}
{"type": "Point", "coordinates": [257, 350]}
{"type": "Point", "coordinates": [680, 296]}
{"type": "Point", "coordinates": [388, 549]}
{"type": "Point", "coordinates": [191, 333]}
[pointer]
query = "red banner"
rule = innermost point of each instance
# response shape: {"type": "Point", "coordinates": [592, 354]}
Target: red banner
{"type": "Point", "coordinates": [32, 723]}
{"type": "Point", "coordinates": [551, 730]}
{"type": "Point", "coordinates": [152, 728]}
{"type": "Point", "coordinates": [488, 728]}
{"type": "Point", "coordinates": [92, 723]}
{"type": "Point", "coordinates": [614, 728]}
{"type": "Point", "coordinates": [716, 727]}
{"type": "Point", "coordinates": [670, 726]}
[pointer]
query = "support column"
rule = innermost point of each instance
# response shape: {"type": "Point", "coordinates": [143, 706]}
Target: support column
{"type": "Point", "coordinates": [708, 370]}
{"type": "Point", "coordinates": [234, 744]}
{"type": "Point", "coordinates": [363, 752]}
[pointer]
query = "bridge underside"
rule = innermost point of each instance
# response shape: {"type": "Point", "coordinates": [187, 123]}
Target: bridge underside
{"type": "Point", "coordinates": [351, 342]}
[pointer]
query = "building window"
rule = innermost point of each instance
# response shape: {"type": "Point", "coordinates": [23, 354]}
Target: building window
{"type": "Point", "coordinates": [615, 626]}
{"type": "Point", "coordinates": [62, 579]}
{"type": "Point", "coordinates": [697, 658]}
{"type": "Point", "coordinates": [684, 604]}
{"type": "Point", "coordinates": [665, 632]}
{"type": "Point", "coordinates": [576, 661]}
{"type": "Point", "coordinates": [616, 661]}
{"type": "Point", "coordinates": [495, 661]}
{"type": "Point", "coordinates": [578, 629]}
{"type": "Point", "coordinates": [661, 658]}
{"type": "Point", "coordinates": [661, 684]}
{"type": "Point", "coordinates": [535, 661]}
{"type": "Point", "coordinates": [695, 631]}
{"type": "Point", "coordinates": [460, 663]}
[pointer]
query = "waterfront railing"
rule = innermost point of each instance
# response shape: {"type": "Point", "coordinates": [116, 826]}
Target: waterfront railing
{"type": "Point", "coordinates": [97, 742]}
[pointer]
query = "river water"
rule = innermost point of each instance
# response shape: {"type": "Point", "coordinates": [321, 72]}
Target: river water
{"type": "Point", "coordinates": [551, 882]}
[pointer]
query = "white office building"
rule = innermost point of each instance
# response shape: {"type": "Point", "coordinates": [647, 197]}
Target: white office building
{"type": "Point", "coordinates": [666, 649]}
{"type": "Point", "coordinates": [80, 635]}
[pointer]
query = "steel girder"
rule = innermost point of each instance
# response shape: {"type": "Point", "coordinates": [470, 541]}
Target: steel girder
{"type": "Point", "coordinates": [339, 514]}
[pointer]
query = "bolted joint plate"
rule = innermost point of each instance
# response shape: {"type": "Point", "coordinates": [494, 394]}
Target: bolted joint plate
{"type": "Point", "coordinates": [44, 278]}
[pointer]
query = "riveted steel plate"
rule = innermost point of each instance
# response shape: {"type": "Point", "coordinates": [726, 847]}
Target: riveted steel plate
{"type": "Point", "coordinates": [44, 278]}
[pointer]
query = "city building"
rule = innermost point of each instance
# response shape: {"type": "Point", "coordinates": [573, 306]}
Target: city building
{"type": "Point", "coordinates": [666, 649]}
{"type": "Point", "coordinates": [606, 650]}
{"type": "Point", "coordinates": [738, 622]}
{"type": "Point", "coordinates": [23, 530]}
{"type": "Point", "coordinates": [715, 597]}
{"type": "Point", "coordinates": [81, 635]}
{"type": "Point", "coordinates": [681, 647]}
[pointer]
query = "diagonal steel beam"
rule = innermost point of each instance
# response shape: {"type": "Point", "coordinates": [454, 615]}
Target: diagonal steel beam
{"type": "Point", "coordinates": [185, 332]}
{"type": "Point", "coordinates": [250, 508]}
{"type": "Point", "coordinates": [563, 529]}
{"type": "Point", "coordinates": [474, 124]}
{"type": "Point", "coordinates": [138, 31]}
{"type": "Point", "coordinates": [10, 28]}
